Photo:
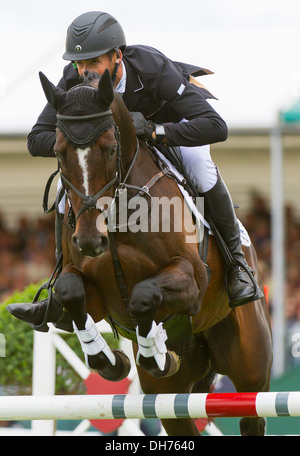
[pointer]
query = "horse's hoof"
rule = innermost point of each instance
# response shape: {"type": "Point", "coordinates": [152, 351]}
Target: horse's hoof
{"type": "Point", "coordinates": [174, 363]}
{"type": "Point", "coordinates": [171, 367]}
{"type": "Point", "coordinates": [106, 370]}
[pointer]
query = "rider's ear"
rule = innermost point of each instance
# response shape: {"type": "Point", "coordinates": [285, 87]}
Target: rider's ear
{"type": "Point", "coordinates": [105, 90]}
{"type": "Point", "coordinates": [119, 56]}
{"type": "Point", "coordinates": [55, 95]}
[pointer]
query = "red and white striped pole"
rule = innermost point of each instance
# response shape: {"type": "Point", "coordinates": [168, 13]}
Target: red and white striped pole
{"type": "Point", "coordinates": [162, 406]}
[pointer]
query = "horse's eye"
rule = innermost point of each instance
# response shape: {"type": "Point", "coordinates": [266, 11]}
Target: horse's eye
{"type": "Point", "coordinates": [112, 151]}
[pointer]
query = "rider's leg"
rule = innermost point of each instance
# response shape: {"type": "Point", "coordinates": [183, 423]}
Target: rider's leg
{"type": "Point", "coordinates": [217, 200]}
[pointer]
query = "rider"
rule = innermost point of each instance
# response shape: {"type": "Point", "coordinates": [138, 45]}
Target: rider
{"type": "Point", "coordinates": [157, 89]}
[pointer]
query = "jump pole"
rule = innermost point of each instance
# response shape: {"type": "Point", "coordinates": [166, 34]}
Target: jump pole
{"type": "Point", "coordinates": [142, 406]}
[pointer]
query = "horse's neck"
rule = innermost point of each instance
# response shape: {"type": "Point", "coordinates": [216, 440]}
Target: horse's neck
{"type": "Point", "coordinates": [145, 166]}
{"type": "Point", "coordinates": [126, 129]}
{"type": "Point", "coordinates": [144, 163]}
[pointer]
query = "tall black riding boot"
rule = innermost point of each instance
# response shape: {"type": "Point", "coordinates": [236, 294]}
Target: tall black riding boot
{"type": "Point", "coordinates": [239, 280]}
{"type": "Point", "coordinates": [39, 313]}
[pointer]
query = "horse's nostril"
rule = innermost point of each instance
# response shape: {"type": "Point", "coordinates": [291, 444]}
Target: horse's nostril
{"type": "Point", "coordinates": [90, 247]}
{"type": "Point", "coordinates": [104, 243]}
{"type": "Point", "coordinates": [74, 241]}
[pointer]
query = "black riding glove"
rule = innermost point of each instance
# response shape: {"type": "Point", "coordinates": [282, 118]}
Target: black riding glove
{"type": "Point", "coordinates": [146, 130]}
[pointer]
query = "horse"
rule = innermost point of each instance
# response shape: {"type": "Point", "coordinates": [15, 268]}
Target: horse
{"type": "Point", "coordinates": [152, 286]}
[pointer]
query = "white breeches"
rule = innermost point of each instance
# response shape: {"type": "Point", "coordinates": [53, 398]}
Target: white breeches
{"type": "Point", "coordinates": [199, 167]}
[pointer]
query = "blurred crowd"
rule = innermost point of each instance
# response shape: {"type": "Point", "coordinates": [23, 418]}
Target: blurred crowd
{"type": "Point", "coordinates": [27, 253]}
{"type": "Point", "coordinates": [258, 224]}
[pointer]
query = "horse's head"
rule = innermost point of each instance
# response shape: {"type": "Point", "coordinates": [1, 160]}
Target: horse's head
{"type": "Point", "coordinates": [87, 147]}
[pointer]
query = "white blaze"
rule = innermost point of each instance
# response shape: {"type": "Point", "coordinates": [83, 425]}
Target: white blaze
{"type": "Point", "coordinates": [82, 160]}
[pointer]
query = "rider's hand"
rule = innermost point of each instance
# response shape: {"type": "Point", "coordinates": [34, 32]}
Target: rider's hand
{"type": "Point", "coordinates": [145, 129]}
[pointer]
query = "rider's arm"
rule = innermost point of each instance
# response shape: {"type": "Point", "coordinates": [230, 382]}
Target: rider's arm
{"type": "Point", "coordinates": [204, 125]}
{"type": "Point", "coordinates": [41, 139]}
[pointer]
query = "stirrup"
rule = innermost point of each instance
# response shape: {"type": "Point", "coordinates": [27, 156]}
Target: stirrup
{"type": "Point", "coordinates": [43, 327]}
{"type": "Point", "coordinates": [258, 294]}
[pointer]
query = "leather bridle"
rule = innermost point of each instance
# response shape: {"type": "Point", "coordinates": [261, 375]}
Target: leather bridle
{"type": "Point", "coordinates": [90, 201]}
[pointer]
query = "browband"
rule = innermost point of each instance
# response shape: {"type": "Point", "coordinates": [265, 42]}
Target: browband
{"type": "Point", "coordinates": [84, 117]}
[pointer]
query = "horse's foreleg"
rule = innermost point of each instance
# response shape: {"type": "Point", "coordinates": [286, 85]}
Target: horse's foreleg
{"type": "Point", "coordinates": [70, 290]}
{"type": "Point", "coordinates": [173, 290]}
{"type": "Point", "coordinates": [112, 365]}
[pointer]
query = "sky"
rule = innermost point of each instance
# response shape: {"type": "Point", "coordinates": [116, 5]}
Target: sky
{"type": "Point", "coordinates": [252, 46]}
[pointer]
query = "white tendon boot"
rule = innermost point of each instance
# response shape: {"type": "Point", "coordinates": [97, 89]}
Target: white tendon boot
{"type": "Point", "coordinates": [92, 343]}
{"type": "Point", "coordinates": [153, 345]}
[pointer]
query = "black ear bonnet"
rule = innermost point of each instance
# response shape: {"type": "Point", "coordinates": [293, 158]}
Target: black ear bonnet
{"type": "Point", "coordinates": [83, 113]}
{"type": "Point", "coordinates": [81, 131]}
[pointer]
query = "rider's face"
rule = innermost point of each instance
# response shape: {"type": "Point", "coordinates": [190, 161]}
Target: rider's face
{"type": "Point", "coordinates": [96, 65]}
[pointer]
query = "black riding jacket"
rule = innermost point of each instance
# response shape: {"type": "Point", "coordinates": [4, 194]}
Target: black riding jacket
{"type": "Point", "coordinates": [158, 88]}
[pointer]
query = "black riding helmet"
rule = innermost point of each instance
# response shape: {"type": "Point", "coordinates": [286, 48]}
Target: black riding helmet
{"type": "Point", "coordinates": [93, 34]}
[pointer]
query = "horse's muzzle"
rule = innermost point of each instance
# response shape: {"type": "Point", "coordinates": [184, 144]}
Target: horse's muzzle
{"type": "Point", "coordinates": [91, 246]}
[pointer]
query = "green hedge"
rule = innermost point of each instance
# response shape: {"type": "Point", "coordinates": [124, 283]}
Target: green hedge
{"type": "Point", "coordinates": [16, 366]}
